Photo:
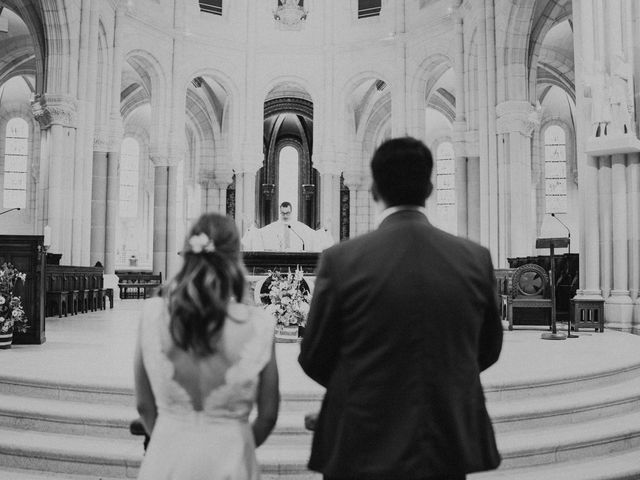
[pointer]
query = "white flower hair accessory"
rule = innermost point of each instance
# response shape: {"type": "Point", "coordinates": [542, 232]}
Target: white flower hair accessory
{"type": "Point", "coordinates": [201, 243]}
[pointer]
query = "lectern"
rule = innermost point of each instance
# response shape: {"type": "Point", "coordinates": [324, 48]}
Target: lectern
{"type": "Point", "coordinates": [551, 244]}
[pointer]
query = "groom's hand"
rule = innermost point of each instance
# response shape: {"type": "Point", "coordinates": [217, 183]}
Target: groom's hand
{"type": "Point", "coordinates": [310, 420]}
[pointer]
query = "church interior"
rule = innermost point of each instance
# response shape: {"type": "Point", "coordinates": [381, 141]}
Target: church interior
{"type": "Point", "coordinates": [121, 121]}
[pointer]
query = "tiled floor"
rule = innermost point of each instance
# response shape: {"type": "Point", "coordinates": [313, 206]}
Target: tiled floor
{"type": "Point", "coordinates": [97, 349]}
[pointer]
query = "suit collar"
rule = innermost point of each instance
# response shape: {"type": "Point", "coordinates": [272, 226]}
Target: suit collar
{"type": "Point", "coordinates": [399, 212]}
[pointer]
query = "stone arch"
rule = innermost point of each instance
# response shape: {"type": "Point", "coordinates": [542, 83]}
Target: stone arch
{"type": "Point", "coordinates": [423, 82]}
{"type": "Point", "coordinates": [154, 84]}
{"type": "Point", "coordinates": [513, 45]}
{"type": "Point", "coordinates": [18, 59]}
{"type": "Point", "coordinates": [348, 91]}
{"type": "Point", "coordinates": [228, 123]}
{"type": "Point", "coordinates": [102, 110]}
{"type": "Point", "coordinates": [32, 14]}
{"type": "Point", "coordinates": [206, 132]}
{"type": "Point", "coordinates": [552, 15]}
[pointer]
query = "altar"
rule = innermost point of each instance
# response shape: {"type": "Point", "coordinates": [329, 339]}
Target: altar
{"type": "Point", "coordinates": [260, 264]}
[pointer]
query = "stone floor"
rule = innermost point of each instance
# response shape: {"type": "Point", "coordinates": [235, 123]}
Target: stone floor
{"type": "Point", "coordinates": [532, 376]}
{"type": "Point", "coordinates": [97, 348]}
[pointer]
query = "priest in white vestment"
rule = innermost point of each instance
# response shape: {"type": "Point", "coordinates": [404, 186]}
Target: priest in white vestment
{"type": "Point", "coordinates": [287, 234]}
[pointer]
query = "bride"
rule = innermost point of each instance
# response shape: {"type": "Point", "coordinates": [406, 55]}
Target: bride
{"type": "Point", "coordinates": [202, 360]}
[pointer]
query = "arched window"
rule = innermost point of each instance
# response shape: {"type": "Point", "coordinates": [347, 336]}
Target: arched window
{"type": "Point", "coordinates": [15, 164]}
{"type": "Point", "coordinates": [555, 170]}
{"type": "Point", "coordinates": [446, 187]}
{"type": "Point", "coordinates": [288, 178]}
{"type": "Point", "coordinates": [129, 177]}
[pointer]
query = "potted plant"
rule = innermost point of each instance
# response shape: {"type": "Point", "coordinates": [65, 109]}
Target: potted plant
{"type": "Point", "coordinates": [12, 316]}
{"type": "Point", "coordinates": [288, 300]}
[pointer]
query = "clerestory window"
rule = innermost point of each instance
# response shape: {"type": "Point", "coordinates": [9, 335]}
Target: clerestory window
{"type": "Point", "coordinates": [15, 164]}
{"type": "Point", "coordinates": [555, 169]}
{"type": "Point", "coordinates": [211, 6]}
{"type": "Point", "coordinates": [369, 8]}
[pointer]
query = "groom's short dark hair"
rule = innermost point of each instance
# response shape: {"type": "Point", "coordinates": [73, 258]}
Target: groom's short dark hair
{"type": "Point", "coordinates": [401, 169]}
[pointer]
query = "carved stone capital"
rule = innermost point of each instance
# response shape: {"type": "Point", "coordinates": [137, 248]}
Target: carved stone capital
{"type": "Point", "coordinates": [55, 109]}
{"type": "Point", "coordinates": [516, 116]}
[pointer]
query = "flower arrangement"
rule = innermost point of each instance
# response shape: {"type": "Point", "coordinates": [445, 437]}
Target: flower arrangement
{"type": "Point", "coordinates": [288, 298]}
{"type": "Point", "coordinates": [12, 316]}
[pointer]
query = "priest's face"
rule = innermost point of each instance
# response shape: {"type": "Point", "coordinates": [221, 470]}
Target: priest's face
{"type": "Point", "coordinates": [285, 214]}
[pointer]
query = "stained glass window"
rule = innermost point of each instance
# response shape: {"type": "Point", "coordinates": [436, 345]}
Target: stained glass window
{"type": "Point", "coordinates": [15, 164]}
{"type": "Point", "coordinates": [129, 177]}
{"type": "Point", "coordinates": [446, 187]}
{"type": "Point", "coordinates": [555, 170]}
{"type": "Point", "coordinates": [288, 184]}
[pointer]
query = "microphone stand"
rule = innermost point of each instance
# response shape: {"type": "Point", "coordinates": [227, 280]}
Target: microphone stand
{"type": "Point", "coordinates": [10, 210]}
{"type": "Point", "coordinates": [296, 234]}
{"type": "Point", "coordinates": [569, 335]}
{"type": "Point", "coordinates": [568, 231]}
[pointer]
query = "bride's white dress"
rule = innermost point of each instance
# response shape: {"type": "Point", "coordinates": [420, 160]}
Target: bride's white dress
{"type": "Point", "coordinates": [202, 430]}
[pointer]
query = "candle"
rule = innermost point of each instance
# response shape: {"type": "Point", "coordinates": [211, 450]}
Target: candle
{"type": "Point", "coordinates": [47, 236]}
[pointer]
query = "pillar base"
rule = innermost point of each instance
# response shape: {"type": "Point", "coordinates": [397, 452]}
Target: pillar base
{"type": "Point", "coordinates": [618, 311]}
{"type": "Point", "coordinates": [589, 295]}
{"type": "Point", "coordinates": [635, 327]}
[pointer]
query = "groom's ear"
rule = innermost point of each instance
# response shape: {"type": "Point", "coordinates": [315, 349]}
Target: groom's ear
{"type": "Point", "coordinates": [374, 192]}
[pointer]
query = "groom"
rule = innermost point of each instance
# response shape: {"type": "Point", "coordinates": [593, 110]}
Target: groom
{"type": "Point", "coordinates": [402, 322]}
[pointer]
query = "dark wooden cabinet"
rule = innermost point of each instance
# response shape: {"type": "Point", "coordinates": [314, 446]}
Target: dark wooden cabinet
{"type": "Point", "coordinates": [25, 252]}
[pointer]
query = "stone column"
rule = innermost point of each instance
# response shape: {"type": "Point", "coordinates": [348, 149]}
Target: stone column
{"type": "Point", "coordinates": [57, 117]}
{"type": "Point", "coordinates": [619, 306]}
{"type": "Point", "coordinates": [111, 218]}
{"type": "Point", "coordinates": [173, 259]}
{"type": "Point", "coordinates": [399, 86]}
{"type": "Point", "coordinates": [245, 198]}
{"type": "Point", "coordinates": [83, 196]}
{"type": "Point", "coordinates": [473, 196]}
{"type": "Point", "coordinates": [516, 122]}
{"type": "Point", "coordinates": [359, 202]}
{"type": "Point", "coordinates": [330, 169]}
{"type": "Point", "coordinates": [585, 25]}
{"type": "Point", "coordinates": [633, 218]}
{"type": "Point", "coordinates": [98, 208]}
{"type": "Point", "coordinates": [460, 126]}
{"type": "Point", "coordinates": [160, 207]}
{"type": "Point", "coordinates": [604, 208]}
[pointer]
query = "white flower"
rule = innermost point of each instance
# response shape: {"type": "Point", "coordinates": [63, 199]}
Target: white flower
{"type": "Point", "coordinates": [2, 300]}
{"type": "Point", "coordinates": [200, 243]}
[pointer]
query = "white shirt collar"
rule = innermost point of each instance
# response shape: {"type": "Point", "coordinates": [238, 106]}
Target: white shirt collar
{"type": "Point", "coordinates": [398, 208]}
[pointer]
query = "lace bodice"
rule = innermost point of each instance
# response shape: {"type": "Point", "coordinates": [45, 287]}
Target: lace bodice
{"type": "Point", "coordinates": [245, 343]}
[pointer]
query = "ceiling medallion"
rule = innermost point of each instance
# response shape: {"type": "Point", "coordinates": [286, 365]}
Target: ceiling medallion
{"type": "Point", "coordinates": [290, 14]}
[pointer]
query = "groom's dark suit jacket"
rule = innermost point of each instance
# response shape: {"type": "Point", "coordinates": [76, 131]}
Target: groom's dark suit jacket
{"type": "Point", "coordinates": [402, 322]}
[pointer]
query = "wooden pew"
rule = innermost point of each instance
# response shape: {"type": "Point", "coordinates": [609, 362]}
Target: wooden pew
{"type": "Point", "coordinates": [137, 284]}
{"type": "Point", "coordinates": [74, 289]}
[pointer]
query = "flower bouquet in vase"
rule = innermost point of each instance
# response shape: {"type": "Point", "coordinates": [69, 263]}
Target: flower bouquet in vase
{"type": "Point", "coordinates": [288, 300]}
{"type": "Point", "coordinates": [12, 316]}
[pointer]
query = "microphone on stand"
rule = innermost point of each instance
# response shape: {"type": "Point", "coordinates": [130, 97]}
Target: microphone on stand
{"type": "Point", "coordinates": [10, 210]}
{"type": "Point", "coordinates": [296, 234]}
{"type": "Point", "coordinates": [568, 231]}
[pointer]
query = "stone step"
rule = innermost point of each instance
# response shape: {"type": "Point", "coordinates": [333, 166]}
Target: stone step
{"type": "Point", "coordinates": [78, 418]}
{"type": "Point", "coordinates": [112, 420]}
{"type": "Point", "coordinates": [559, 382]}
{"type": "Point", "coordinates": [594, 438]}
{"type": "Point", "coordinates": [87, 455]}
{"type": "Point", "coordinates": [293, 400]}
{"type": "Point", "coordinates": [15, 474]}
{"type": "Point", "coordinates": [615, 466]}
{"type": "Point", "coordinates": [571, 407]}
{"type": "Point", "coordinates": [113, 458]}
